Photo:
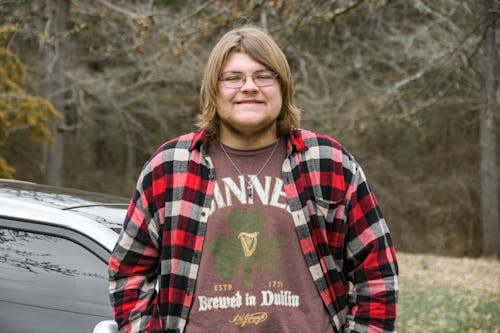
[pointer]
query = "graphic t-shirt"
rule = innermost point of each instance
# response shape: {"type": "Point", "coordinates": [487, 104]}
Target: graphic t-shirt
{"type": "Point", "coordinates": [253, 276]}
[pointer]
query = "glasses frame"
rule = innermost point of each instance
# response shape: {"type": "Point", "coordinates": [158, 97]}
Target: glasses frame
{"type": "Point", "coordinates": [245, 77]}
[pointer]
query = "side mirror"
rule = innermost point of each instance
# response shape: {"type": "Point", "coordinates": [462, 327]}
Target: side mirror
{"type": "Point", "coordinates": [106, 326]}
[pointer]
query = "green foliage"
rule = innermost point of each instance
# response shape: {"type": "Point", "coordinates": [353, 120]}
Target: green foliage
{"type": "Point", "coordinates": [18, 109]}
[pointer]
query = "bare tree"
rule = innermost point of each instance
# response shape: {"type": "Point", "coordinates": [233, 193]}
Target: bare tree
{"type": "Point", "coordinates": [55, 84]}
{"type": "Point", "coordinates": [488, 140]}
{"type": "Point", "coordinates": [397, 82]}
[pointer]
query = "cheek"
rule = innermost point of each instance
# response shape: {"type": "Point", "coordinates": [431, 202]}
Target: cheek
{"type": "Point", "coordinates": [222, 104]}
{"type": "Point", "coordinates": [277, 99]}
{"type": "Point", "coordinates": [224, 97]}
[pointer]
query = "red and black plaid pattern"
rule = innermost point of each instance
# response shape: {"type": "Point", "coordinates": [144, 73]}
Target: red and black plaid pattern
{"type": "Point", "coordinates": [342, 234]}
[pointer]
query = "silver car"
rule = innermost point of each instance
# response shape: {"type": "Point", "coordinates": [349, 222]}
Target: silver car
{"type": "Point", "coordinates": [54, 247]}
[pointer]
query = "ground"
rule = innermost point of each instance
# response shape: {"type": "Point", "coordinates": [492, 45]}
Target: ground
{"type": "Point", "coordinates": [443, 294]}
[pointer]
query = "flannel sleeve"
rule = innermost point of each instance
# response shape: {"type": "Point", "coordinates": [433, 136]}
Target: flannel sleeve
{"type": "Point", "coordinates": [134, 263]}
{"type": "Point", "coordinates": [371, 263]}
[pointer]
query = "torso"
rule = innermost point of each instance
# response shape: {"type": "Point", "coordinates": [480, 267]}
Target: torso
{"type": "Point", "coordinates": [253, 276]}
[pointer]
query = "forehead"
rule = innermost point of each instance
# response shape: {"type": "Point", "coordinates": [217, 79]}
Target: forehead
{"type": "Point", "coordinates": [241, 62]}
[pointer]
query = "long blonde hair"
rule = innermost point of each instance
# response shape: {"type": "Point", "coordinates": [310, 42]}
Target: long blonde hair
{"type": "Point", "coordinates": [262, 48]}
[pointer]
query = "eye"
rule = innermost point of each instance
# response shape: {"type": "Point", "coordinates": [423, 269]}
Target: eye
{"type": "Point", "coordinates": [264, 76]}
{"type": "Point", "coordinates": [232, 77]}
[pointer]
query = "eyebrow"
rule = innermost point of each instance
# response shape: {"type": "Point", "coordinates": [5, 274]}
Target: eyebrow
{"type": "Point", "coordinates": [257, 71]}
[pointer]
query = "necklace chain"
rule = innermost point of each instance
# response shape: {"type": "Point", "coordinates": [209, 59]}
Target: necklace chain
{"type": "Point", "coordinates": [249, 180]}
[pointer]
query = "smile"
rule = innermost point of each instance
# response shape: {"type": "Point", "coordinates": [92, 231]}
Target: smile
{"type": "Point", "coordinates": [249, 102]}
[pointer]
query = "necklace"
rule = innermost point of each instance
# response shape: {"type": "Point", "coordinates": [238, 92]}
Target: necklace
{"type": "Point", "coordinates": [249, 180]}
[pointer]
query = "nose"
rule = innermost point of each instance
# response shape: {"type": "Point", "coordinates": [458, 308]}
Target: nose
{"type": "Point", "coordinates": [248, 83]}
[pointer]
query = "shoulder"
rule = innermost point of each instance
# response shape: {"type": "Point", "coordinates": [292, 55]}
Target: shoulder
{"type": "Point", "coordinates": [322, 146]}
{"type": "Point", "coordinates": [181, 142]}
{"type": "Point", "coordinates": [176, 149]}
{"type": "Point", "coordinates": [327, 155]}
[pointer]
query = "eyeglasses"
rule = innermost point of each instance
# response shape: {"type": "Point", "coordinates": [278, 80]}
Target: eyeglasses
{"type": "Point", "coordinates": [235, 80]}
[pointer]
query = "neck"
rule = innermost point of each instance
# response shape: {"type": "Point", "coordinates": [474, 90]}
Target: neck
{"type": "Point", "coordinates": [247, 142]}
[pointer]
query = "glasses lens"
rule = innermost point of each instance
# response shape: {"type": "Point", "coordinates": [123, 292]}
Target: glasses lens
{"type": "Point", "coordinates": [233, 80]}
{"type": "Point", "coordinates": [237, 80]}
{"type": "Point", "coordinates": [264, 78]}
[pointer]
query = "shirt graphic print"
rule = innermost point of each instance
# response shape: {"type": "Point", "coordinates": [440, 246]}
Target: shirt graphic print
{"type": "Point", "coordinates": [252, 276]}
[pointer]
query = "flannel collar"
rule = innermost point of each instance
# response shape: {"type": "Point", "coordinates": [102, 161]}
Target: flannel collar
{"type": "Point", "coordinates": [295, 142]}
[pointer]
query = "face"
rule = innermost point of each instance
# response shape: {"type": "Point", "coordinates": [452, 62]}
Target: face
{"type": "Point", "coordinates": [249, 112]}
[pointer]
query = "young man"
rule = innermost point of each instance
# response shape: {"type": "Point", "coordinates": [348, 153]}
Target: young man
{"type": "Point", "coordinates": [251, 224]}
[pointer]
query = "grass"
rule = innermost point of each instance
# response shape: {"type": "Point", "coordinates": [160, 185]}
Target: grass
{"type": "Point", "coordinates": [448, 295]}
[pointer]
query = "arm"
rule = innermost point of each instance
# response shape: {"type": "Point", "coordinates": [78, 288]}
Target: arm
{"type": "Point", "coordinates": [133, 266]}
{"type": "Point", "coordinates": [371, 263]}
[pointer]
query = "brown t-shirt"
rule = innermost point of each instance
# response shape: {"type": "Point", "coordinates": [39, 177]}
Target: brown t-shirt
{"type": "Point", "coordinates": [253, 276]}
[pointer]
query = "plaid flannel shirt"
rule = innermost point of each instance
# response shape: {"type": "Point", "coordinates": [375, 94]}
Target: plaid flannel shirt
{"type": "Point", "coordinates": [342, 234]}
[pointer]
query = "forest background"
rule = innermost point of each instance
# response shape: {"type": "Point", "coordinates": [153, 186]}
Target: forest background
{"type": "Point", "coordinates": [89, 89]}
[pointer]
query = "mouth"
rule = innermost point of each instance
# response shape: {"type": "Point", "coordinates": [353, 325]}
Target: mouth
{"type": "Point", "coordinates": [249, 101]}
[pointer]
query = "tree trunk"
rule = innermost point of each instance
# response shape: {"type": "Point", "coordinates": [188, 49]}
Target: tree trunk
{"type": "Point", "coordinates": [55, 87]}
{"type": "Point", "coordinates": [489, 197]}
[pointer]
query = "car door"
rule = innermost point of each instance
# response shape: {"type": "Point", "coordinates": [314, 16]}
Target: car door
{"type": "Point", "coordinates": [52, 279]}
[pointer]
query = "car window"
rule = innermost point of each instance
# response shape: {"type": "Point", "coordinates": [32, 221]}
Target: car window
{"type": "Point", "coordinates": [51, 280]}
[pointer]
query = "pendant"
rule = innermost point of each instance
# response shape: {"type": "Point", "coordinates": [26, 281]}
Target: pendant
{"type": "Point", "coordinates": [250, 191]}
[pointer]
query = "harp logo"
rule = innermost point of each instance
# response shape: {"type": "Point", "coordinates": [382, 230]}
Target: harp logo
{"type": "Point", "coordinates": [248, 242]}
